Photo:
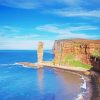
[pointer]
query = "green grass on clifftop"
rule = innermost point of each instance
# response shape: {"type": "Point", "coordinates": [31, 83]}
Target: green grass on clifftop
{"type": "Point", "coordinates": [71, 61]}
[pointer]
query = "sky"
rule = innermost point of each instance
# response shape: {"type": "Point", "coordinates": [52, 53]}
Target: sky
{"type": "Point", "coordinates": [23, 23]}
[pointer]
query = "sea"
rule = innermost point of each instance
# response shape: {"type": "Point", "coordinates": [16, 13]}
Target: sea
{"type": "Point", "coordinates": [18, 82]}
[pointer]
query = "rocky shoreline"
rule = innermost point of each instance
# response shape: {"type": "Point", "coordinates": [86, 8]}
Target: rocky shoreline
{"type": "Point", "coordinates": [95, 81]}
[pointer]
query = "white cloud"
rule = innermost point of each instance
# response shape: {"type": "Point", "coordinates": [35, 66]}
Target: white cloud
{"type": "Point", "coordinates": [17, 33]}
{"type": "Point", "coordinates": [31, 36]}
{"type": "Point", "coordinates": [70, 8]}
{"type": "Point", "coordinates": [10, 28]}
{"type": "Point", "coordinates": [22, 41]}
{"type": "Point", "coordinates": [24, 44]}
{"type": "Point", "coordinates": [24, 4]}
{"type": "Point", "coordinates": [74, 35]}
{"type": "Point", "coordinates": [17, 44]}
{"type": "Point", "coordinates": [34, 4]}
{"type": "Point", "coordinates": [57, 29]}
{"type": "Point", "coordinates": [76, 13]}
{"type": "Point", "coordinates": [49, 28]}
{"type": "Point", "coordinates": [67, 32]}
{"type": "Point", "coordinates": [72, 2]}
{"type": "Point", "coordinates": [78, 28]}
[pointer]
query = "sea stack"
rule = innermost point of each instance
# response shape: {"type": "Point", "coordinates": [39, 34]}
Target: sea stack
{"type": "Point", "coordinates": [40, 53]}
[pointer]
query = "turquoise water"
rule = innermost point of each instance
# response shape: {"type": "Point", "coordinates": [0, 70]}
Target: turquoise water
{"type": "Point", "coordinates": [23, 83]}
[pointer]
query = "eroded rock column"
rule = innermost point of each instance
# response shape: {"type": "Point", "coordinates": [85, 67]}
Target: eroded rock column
{"type": "Point", "coordinates": [40, 53]}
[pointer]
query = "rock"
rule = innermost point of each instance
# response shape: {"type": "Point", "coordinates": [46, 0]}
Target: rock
{"type": "Point", "coordinates": [40, 52]}
{"type": "Point", "coordinates": [87, 73]}
{"type": "Point", "coordinates": [81, 48]}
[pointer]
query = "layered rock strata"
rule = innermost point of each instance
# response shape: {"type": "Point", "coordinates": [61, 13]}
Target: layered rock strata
{"type": "Point", "coordinates": [40, 52]}
{"type": "Point", "coordinates": [81, 48]}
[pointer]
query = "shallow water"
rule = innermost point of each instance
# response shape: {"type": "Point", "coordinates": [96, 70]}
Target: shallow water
{"type": "Point", "coordinates": [22, 83]}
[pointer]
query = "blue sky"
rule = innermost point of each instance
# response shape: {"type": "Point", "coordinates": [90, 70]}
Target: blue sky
{"type": "Point", "coordinates": [25, 22]}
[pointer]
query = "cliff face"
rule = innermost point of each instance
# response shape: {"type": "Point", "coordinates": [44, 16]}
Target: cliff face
{"type": "Point", "coordinates": [81, 48]}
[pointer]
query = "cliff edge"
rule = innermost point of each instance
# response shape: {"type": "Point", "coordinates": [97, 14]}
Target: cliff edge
{"type": "Point", "coordinates": [77, 52]}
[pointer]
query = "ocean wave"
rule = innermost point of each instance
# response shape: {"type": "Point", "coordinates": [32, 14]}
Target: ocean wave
{"type": "Point", "coordinates": [12, 64]}
{"type": "Point", "coordinates": [83, 88]}
{"type": "Point", "coordinates": [24, 65]}
{"type": "Point", "coordinates": [21, 64]}
{"type": "Point", "coordinates": [29, 67]}
{"type": "Point", "coordinates": [6, 64]}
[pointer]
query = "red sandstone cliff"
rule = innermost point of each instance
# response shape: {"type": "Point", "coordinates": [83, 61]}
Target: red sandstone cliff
{"type": "Point", "coordinates": [81, 48]}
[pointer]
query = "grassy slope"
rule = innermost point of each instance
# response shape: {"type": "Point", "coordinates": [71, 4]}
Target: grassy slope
{"type": "Point", "coordinates": [70, 60]}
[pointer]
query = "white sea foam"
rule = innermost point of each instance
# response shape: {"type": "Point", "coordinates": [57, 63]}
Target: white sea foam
{"type": "Point", "coordinates": [84, 84]}
{"type": "Point", "coordinates": [28, 67]}
{"type": "Point", "coordinates": [9, 64]}
{"type": "Point", "coordinates": [24, 65]}
{"type": "Point", "coordinates": [20, 64]}
{"type": "Point", "coordinates": [80, 97]}
{"type": "Point", "coordinates": [83, 88]}
{"type": "Point", "coordinates": [15, 64]}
